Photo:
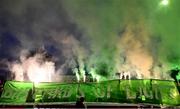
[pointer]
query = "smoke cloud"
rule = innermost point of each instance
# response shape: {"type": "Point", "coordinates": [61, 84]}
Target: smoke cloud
{"type": "Point", "coordinates": [90, 37]}
{"type": "Point", "coordinates": [36, 68]}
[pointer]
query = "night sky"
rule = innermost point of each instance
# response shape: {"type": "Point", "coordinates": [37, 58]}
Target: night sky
{"type": "Point", "coordinates": [107, 35]}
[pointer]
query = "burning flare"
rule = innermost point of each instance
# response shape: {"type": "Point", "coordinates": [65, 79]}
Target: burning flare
{"type": "Point", "coordinates": [36, 68]}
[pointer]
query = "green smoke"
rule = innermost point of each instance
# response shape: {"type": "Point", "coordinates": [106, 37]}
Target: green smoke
{"type": "Point", "coordinates": [104, 21]}
{"type": "Point", "coordinates": [99, 20]}
{"type": "Point", "coordinates": [166, 24]}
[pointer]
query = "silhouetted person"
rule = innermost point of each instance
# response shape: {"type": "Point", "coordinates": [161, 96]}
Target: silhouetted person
{"type": "Point", "coordinates": [123, 77]}
{"type": "Point", "coordinates": [80, 103]}
{"type": "Point", "coordinates": [174, 73]}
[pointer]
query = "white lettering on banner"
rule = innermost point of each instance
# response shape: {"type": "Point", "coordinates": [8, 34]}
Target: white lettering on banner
{"type": "Point", "coordinates": [14, 94]}
{"type": "Point", "coordinates": [143, 91]}
{"type": "Point", "coordinates": [51, 93]}
{"type": "Point", "coordinates": [100, 93]}
{"type": "Point", "coordinates": [59, 92]}
{"type": "Point", "coordinates": [140, 92]}
{"type": "Point", "coordinates": [67, 93]}
{"type": "Point", "coordinates": [7, 93]}
{"type": "Point", "coordinates": [109, 91]}
{"type": "Point", "coordinates": [130, 94]}
{"type": "Point", "coordinates": [155, 90]}
{"type": "Point", "coordinates": [155, 93]}
{"type": "Point", "coordinates": [147, 93]}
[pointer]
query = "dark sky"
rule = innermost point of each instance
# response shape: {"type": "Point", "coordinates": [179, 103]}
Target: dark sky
{"type": "Point", "coordinates": [94, 32]}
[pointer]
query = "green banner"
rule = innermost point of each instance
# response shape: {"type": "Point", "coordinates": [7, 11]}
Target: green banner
{"type": "Point", "coordinates": [55, 92]}
{"type": "Point", "coordinates": [15, 92]}
{"type": "Point", "coordinates": [167, 91]}
{"type": "Point", "coordinates": [117, 91]}
{"type": "Point", "coordinates": [93, 92]}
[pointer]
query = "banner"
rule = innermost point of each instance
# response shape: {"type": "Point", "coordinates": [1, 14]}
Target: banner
{"type": "Point", "coordinates": [15, 92]}
{"type": "Point", "coordinates": [116, 91]}
{"type": "Point", "coordinates": [55, 92]}
{"type": "Point", "coordinates": [167, 91]}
